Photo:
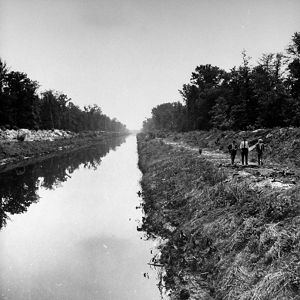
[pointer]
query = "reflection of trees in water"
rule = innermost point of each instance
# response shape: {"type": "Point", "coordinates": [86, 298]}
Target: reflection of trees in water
{"type": "Point", "coordinates": [19, 187]}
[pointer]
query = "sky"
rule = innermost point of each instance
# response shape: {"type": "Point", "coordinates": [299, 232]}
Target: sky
{"type": "Point", "coordinates": [128, 56]}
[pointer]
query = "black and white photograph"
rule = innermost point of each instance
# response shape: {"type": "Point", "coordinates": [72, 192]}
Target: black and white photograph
{"type": "Point", "coordinates": [149, 150]}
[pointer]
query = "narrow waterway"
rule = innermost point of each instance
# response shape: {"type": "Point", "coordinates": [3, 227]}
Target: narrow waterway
{"type": "Point", "coordinates": [69, 228]}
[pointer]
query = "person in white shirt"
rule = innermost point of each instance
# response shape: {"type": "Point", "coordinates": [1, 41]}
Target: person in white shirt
{"type": "Point", "coordinates": [244, 151]}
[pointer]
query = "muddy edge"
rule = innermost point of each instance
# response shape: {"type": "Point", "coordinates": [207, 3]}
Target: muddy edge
{"type": "Point", "coordinates": [225, 236]}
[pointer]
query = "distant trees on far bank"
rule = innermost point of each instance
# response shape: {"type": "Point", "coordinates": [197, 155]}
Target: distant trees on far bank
{"type": "Point", "coordinates": [246, 97]}
{"type": "Point", "coordinates": [22, 107]}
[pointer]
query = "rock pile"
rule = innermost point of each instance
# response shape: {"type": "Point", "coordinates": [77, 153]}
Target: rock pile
{"type": "Point", "coordinates": [35, 135]}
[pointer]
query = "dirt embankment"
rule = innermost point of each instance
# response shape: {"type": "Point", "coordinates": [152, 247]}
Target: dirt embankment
{"type": "Point", "coordinates": [282, 145]}
{"type": "Point", "coordinates": [230, 232]}
{"type": "Point", "coordinates": [23, 146]}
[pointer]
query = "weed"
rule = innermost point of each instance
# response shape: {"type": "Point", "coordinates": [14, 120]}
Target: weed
{"type": "Point", "coordinates": [242, 241]}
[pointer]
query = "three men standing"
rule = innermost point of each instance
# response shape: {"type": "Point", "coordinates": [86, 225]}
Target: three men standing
{"type": "Point", "coordinates": [244, 147]}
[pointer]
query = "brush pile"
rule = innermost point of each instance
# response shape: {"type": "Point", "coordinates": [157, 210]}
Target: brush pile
{"type": "Point", "coordinates": [224, 239]}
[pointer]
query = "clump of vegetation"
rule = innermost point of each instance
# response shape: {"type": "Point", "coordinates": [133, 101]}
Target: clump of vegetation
{"type": "Point", "coordinates": [234, 241]}
{"type": "Point", "coordinates": [21, 136]}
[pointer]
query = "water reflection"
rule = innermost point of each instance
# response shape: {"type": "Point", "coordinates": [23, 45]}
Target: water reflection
{"type": "Point", "coordinates": [19, 187]}
{"type": "Point", "coordinates": [80, 241]}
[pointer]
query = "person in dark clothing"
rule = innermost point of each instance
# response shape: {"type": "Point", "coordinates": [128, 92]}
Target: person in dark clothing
{"type": "Point", "coordinates": [244, 151]}
{"type": "Point", "coordinates": [260, 149]}
{"type": "Point", "coordinates": [232, 150]}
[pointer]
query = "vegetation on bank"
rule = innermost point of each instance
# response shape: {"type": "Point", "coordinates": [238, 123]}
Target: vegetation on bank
{"type": "Point", "coordinates": [22, 107]}
{"type": "Point", "coordinates": [230, 232]}
{"type": "Point", "coordinates": [264, 95]}
{"type": "Point", "coordinates": [282, 145]}
{"type": "Point", "coordinates": [14, 153]}
{"type": "Point", "coordinates": [224, 239]}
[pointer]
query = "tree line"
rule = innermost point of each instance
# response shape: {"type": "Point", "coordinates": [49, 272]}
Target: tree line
{"type": "Point", "coordinates": [265, 95]}
{"type": "Point", "coordinates": [22, 107]}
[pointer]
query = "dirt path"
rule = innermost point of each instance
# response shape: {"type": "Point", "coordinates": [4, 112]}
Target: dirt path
{"type": "Point", "coordinates": [268, 176]}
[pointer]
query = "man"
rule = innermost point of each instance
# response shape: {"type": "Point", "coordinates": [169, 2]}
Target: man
{"type": "Point", "coordinates": [232, 150]}
{"type": "Point", "coordinates": [260, 149]}
{"type": "Point", "coordinates": [244, 151]}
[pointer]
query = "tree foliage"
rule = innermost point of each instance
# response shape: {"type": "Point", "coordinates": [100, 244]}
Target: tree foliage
{"type": "Point", "coordinates": [22, 107]}
{"type": "Point", "coordinates": [265, 95]}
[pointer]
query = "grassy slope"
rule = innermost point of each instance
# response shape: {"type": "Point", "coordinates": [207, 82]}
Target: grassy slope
{"type": "Point", "coordinates": [223, 240]}
{"type": "Point", "coordinates": [282, 144]}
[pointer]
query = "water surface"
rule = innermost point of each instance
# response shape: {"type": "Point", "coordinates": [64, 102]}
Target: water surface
{"type": "Point", "coordinates": [69, 228]}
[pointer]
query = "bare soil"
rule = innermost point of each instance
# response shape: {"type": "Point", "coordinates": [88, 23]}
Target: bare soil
{"type": "Point", "coordinates": [269, 175]}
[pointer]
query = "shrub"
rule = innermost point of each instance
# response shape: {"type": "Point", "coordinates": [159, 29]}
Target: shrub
{"type": "Point", "coordinates": [21, 137]}
{"type": "Point", "coordinates": [278, 207]}
{"type": "Point", "coordinates": [211, 174]}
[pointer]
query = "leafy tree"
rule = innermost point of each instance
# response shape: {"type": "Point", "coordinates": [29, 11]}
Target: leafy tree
{"type": "Point", "coordinates": [22, 93]}
{"type": "Point", "coordinates": [5, 101]}
{"type": "Point", "coordinates": [293, 80]}
{"type": "Point", "coordinates": [148, 125]}
{"type": "Point", "coordinates": [265, 95]}
{"type": "Point", "coordinates": [168, 116]}
{"type": "Point", "coordinates": [219, 114]}
{"type": "Point", "coordinates": [190, 95]}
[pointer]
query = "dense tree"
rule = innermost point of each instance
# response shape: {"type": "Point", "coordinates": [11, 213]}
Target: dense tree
{"type": "Point", "coordinates": [21, 107]}
{"type": "Point", "coordinates": [207, 85]}
{"type": "Point", "coordinates": [5, 107]}
{"type": "Point", "coordinates": [219, 114]}
{"type": "Point", "coordinates": [293, 80]}
{"type": "Point", "coordinates": [149, 125]}
{"type": "Point", "coordinates": [189, 94]}
{"type": "Point", "coordinates": [246, 97]}
{"type": "Point", "coordinates": [22, 92]}
{"type": "Point", "coordinates": [3, 73]}
{"type": "Point", "coordinates": [269, 94]}
{"type": "Point", "coordinates": [166, 115]}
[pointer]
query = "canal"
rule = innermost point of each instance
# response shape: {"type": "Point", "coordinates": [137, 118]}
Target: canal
{"type": "Point", "coordinates": [69, 228]}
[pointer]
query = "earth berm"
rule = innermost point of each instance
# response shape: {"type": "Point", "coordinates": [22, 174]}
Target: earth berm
{"type": "Point", "coordinates": [19, 147]}
{"type": "Point", "coordinates": [229, 232]}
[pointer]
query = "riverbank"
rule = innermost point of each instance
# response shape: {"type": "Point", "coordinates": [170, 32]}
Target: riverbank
{"type": "Point", "coordinates": [282, 145]}
{"type": "Point", "coordinates": [43, 143]}
{"type": "Point", "coordinates": [230, 232]}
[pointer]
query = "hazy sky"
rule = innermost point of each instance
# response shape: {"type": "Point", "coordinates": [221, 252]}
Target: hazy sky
{"type": "Point", "coordinates": [130, 55]}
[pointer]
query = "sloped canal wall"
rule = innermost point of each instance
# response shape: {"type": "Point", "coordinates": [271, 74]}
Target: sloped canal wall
{"type": "Point", "coordinates": [222, 239]}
